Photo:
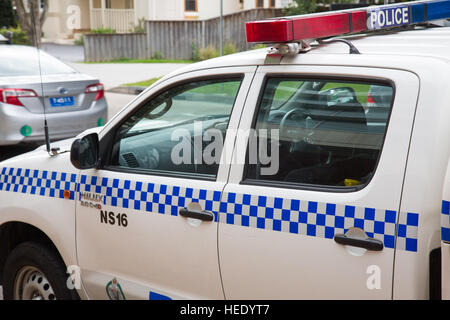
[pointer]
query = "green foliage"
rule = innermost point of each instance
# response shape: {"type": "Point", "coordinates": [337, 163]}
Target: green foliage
{"type": "Point", "coordinates": [157, 55]}
{"type": "Point", "coordinates": [229, 48]}
{"type": "Point", "coordinates": [300, 7]}
{"type": "Point", "coordinates": [6, 14]}
{"type": "Point", "coordinates": [18, 35]}
{"type": "Point", "coordinates": [259, 46]}
{"type": "Point", "coordinates": [140, 28]}
{"type": "Point", "coordinates": [103, 31]}
{"type": "Point", "coordinates": [146, 83]}
{"type": "Point", "coordinates": [297, 7]}
{"type": "Point", "coordinates": [80, 41]}
{"type": "Point", "coordinates": [195, 54]}
{"type": "Point", "coordinates": [208, 53]}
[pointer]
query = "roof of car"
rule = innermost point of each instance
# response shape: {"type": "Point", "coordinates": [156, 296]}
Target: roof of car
{"type": "Point", "coordinates": [15, 47]}
{"type": "Point", "coordinates": [419, 42]}
{"type": "Point", "coordinates": [432, 42]}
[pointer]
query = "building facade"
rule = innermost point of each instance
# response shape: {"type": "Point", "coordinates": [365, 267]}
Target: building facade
{"type": "Point", "coordinates": [68, 18]}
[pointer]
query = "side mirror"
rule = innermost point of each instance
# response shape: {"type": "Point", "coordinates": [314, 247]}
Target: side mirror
{"type": "Point", "coordinates": [84, 153]}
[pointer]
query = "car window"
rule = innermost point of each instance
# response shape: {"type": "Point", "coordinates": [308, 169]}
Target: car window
{"type": "Point", "coordinates": [319, 132]}
{"type": "Point", "coordinates": [24, 61]}
{"type": "Point", "coordinates": [182, 130]}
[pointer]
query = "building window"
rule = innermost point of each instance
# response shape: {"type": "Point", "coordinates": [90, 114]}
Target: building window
{"type": "Point", "coordinates": [129, 4]}
{"type": "Point", "coordinates": [260, 3]}
{"type": "Point", "coordinates": [190, 5]}
{"type": "Point", "coordinates": [108, 4]}
{"type": "Point", "coordinates": [272, 3]}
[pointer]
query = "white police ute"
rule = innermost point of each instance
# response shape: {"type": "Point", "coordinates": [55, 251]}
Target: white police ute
{"type": "Point", "coordinates": [317, 168]}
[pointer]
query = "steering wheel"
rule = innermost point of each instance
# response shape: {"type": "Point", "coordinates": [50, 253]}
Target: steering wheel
{"type": "Point", "coordinates": [286, 117]}
{"type": "Point", "coordinates": [302, 143]}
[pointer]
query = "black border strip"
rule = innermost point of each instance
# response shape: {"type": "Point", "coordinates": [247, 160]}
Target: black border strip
{"type": "Point", "coordinates": [350, 21]}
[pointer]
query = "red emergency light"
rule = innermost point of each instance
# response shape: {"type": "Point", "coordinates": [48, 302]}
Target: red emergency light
{"type": "Point", "coordinates": [322, 25]}
{"type": "Point", "coordinates": [298, 28]}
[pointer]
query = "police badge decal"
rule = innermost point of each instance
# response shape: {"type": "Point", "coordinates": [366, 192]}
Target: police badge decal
{"type": "Point", "coordinates": [114, 290]}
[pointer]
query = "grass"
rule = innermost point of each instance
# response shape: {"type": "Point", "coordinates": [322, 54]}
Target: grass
{"type": "Point", "coordinates": [123, 60]}
{"type": "Point", "coordinates": [286, 89]}
{"type": "Point", "coordinates": [146, 83]}
{"type": "Point", "coordinates": [361, 90]}
{"type": "Point", "coordinates": [229, 88]}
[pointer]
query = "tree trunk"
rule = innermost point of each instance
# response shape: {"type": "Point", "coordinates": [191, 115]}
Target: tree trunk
{"type": "Point", "coordinates": [32, 19]}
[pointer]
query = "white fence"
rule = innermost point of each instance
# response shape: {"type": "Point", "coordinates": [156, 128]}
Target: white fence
{"type": "Point", "coordinates": [121, 20]}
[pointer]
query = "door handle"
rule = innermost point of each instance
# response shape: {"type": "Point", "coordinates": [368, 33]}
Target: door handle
{"type": "Point", "coordinates": [368, 243]}
{"type": "Point", "coordinates": [194, 214]}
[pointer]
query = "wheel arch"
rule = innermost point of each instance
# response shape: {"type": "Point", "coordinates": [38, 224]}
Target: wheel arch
{"type": "Point", "coordinates": [13, 233]}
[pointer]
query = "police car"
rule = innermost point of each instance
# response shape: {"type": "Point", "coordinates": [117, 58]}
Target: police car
{"type": "Point", "coordinates": [315, 169]}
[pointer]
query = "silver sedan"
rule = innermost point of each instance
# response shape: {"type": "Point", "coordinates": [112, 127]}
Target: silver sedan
{"type": "Point", "coordinates": [33, 86]}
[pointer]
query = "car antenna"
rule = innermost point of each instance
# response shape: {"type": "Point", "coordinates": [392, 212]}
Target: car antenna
{"type": "Point", "coordinates": [51, 151]}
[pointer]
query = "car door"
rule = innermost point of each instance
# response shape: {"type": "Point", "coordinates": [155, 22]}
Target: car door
{"type": "Point", "coordinates": [312, 205]}
{"type": "Point", "coordinates": [146, 221]}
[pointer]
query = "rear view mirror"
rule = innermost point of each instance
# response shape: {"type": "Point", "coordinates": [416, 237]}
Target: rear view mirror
{"type": "Point", "coordinates": [85, 152]}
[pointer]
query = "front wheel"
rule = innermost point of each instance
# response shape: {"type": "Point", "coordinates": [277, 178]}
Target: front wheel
{"type": "Point", "coordinates": [33, 272]}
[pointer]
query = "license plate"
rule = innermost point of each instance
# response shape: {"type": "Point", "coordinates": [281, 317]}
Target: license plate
{"type": "Point", "coordinates": [62, 102]}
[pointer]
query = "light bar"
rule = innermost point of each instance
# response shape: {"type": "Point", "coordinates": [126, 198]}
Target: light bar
{"type": "Point", "coordinates": [314, 26]}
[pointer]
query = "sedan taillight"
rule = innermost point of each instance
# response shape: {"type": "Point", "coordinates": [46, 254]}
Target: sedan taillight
{"type": "Point", "coordinates": [96, 88]}
{"type": "Point", "coordinates": [11, 96]}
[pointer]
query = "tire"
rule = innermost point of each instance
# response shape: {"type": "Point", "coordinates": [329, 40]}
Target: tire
{"type": "Point", "coordinates": [33, 272]}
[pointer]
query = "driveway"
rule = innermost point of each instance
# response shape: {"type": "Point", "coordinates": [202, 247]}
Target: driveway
{"type": "Point", "coordinates": [110, 74]}
{"type": "Point", "coordinates": [66, 53]}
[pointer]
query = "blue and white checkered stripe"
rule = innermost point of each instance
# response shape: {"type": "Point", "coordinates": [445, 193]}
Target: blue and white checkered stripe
{"type": "Point", "coordinates": [445, 221]}
{"type": "Point", "coordinates": [294, 216]}
{"type": "Point", "coordinates": [37, 182]}
{"type": "Point", "coordinates": [408, 231]}
{"type": "Point", "coordinates": [150, 197]}
{"type": "Point", "coordinates": [317, 219]}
